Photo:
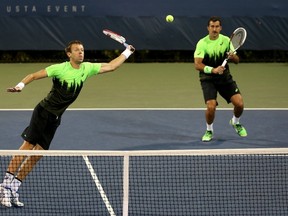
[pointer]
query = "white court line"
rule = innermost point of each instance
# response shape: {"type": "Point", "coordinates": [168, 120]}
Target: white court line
{"type": "Point", "coordinates": [99, 186]}
{"type": "Point", "coordinates": [108, 109]}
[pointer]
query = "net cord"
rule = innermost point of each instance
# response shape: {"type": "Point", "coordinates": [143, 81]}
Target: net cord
{"type": "Point", "coordinates": [99, 186]}
{"type": "Point", "coordinates": [147, 152]}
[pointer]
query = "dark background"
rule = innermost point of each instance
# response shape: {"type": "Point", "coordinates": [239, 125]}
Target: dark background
{"type": "Point", "coordinates": [34, 31]}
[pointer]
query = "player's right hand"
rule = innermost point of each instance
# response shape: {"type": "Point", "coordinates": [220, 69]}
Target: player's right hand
{"type": "Point", "coordinates": [17, 88]}
{"type": "Point", "coordinates": [219, 70]}
{"type": "Point", "coordinates": [131, 48]}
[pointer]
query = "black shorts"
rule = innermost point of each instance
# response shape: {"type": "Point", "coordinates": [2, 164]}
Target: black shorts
{"type": "Point", "coordinates": [42, 127]}
{"type": "Point", "coordinates": [211, 87]}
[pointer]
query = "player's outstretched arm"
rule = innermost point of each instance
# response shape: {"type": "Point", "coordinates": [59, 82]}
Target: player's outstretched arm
{"type": "Point", "coordinates": [115, 63]}
{"type": "Point", "coordinates": [28, 79]}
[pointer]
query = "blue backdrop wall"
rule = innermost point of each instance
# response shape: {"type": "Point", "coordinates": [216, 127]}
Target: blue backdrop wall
{"type": "Point", "coordinates": [51, 24]}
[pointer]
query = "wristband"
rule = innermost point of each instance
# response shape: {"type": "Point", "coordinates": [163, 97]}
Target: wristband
{"type": "Point", "coordinates": [208, 69]}
{"type": "Point", "coordinates": [20, 85]}
{"type": "Point", "coordinates": [127, 53]}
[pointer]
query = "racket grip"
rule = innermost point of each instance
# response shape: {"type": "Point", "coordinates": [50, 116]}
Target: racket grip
{"type": "Point", "coordinates": [132, 49]}
{"type": "Point", "coordinates": [224, 62]}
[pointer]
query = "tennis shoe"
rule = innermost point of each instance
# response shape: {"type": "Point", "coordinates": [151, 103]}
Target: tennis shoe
{"type": "Point", "coordinates": [240, 130]}
{"type": "Point", "coordinates": [15, 199]}
{"type": "Point", "coordinates": [207, 136]}
{"type": "Point", "coordinates": [5, 196]}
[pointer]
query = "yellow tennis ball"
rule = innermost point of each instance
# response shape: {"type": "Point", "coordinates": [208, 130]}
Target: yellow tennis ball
{"type": "Point", "coordinates": [169, 18]}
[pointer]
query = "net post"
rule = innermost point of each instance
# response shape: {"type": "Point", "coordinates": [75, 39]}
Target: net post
{"type": "Point", "coordinates": [125, 184]}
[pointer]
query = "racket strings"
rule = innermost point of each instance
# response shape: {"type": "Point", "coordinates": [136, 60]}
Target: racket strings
{"type": "Point", "coordinates": [114, 36]}
{"type": "Point", "coordinates": [237, 39]}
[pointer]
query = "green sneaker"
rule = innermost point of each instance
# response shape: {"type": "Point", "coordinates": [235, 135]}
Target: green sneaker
{"type": "Point", "coordinates": [207, 136]}
{"type": "Point", "coordinates": [240, 130]}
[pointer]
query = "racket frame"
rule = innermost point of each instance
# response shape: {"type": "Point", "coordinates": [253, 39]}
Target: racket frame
{"type": "Point", "coordinates": [239, 45]}
{"type": "Point", "coordinates": [115, 36]}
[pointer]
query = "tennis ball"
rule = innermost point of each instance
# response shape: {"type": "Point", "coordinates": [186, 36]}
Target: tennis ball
{"type": "Point", "coordinates": [169, 18]}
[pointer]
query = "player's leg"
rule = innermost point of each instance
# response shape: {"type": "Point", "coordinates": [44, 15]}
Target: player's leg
{"type": "Point", "coordinates": [42, 130]}
{"type": "Point", "coordinates": [231, 93]}
{"type": "Point", "coordinates": [210, 111]}
{"type": "Point", "coordinates": [28, 164]}
{"type": "Point", "coordinates": [25, 168]}
{"type": "Point", "coordinates": [32, 134]}
{"type": "Point", "coordinates": [11, 183]}
{"type": "Point", "coordinates": [237, 101]}
{"type": "Point", "coordinates": [210, 94]}
{"type": "Point", "coordinates": [14, 177]}
{"type": "Point", "coordinates": [16, 161]}
{"type": "Point", "coordinates": [209, 116]}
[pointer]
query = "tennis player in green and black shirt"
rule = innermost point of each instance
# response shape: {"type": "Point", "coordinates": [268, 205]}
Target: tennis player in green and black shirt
{"type": "Point", "coordinates": [208, 57]}
{"type": "Point", "coordinates": [68, 79]}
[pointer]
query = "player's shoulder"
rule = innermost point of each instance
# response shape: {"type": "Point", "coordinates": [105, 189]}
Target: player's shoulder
{"type": "Point", "coordinates": [62, 64]}
{"type": "Point", "coordinates": [204, 39]}
{"type": "Point", "coordinates": [57, 68]}
{"type": "Point", "coordinates": [91, 67]}
{"type": "Point", "coordinates": [224, 37]}
{"type": "Point", "coordinates": [89, 64]}
{"type": "Point", "coordinates": [86, 63]}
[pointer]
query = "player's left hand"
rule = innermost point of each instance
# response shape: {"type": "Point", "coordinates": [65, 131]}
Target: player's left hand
{"type": "Point", "coordinates": [14, 89]}
{"type": "Point", "coordinates": [232, 56]}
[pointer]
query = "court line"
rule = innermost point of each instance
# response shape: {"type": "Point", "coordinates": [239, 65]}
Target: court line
{"type": "Point", "coordinates": [124, 109]}
{"type": "Point", "coordinates": [99, 186]}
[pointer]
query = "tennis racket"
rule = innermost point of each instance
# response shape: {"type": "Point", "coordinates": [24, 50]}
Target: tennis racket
{"type": "Point", "coordinates": [237, 39]}
{"type": "Point", "coordinates": [115, 37]}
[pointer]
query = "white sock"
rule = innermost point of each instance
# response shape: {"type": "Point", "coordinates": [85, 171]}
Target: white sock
{"type": "Point", "coordinates": [235, 120]}
{"type": "Point", "coordinates": [15, 184]}
{"type": "Point", "coordinates": [209, 127]}
{"type": "Point", "coordinates": [8, 178]}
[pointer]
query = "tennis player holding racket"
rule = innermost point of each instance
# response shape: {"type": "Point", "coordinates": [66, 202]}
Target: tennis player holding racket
{"type": "Point", "coordinates": [209, 55]}
{"type": "Point", "coordinates": [68, 78]}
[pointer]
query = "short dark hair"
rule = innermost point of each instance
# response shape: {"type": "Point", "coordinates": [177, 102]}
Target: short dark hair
{"type": "Point", "coordinates": [214, 19]}
{"type": "Point", "coordinates": [68, 48]}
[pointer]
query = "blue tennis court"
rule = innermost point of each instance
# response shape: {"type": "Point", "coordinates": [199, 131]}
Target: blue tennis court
{"type": "Point", "coordinates": [151, 129]}
{"type": "Point", "coordinates": [185, 184]}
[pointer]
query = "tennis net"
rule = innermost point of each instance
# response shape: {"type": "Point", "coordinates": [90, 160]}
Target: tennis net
{"type": "Point", "coordinates": [154, 183]}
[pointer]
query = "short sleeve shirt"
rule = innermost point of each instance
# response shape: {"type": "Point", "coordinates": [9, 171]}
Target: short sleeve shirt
{"type": "Point", "coordinates": [67, 84]}
{"type": "Point", "coordinates": [213, 52]}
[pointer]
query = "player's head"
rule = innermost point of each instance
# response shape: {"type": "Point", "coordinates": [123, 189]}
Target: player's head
{"type": "Point", "coordinates": [75, 51]}
{"type": "Point", "coordinates": [69, 46]}
{"type": "Point", "coordinates": [214, 19]}
{"type": "Point", "coordinates": [214, 27]}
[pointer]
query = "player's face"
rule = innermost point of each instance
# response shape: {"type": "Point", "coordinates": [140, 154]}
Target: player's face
{"type": "Point", "coordinates": [214, 29]}
{"type": "Point", "coordinates": [77, 53]}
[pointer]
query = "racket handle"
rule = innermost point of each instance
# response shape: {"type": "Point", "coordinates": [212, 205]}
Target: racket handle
{"type": "Point", "coordinates": [224, 62]}
{"type": "Point", "coordinates": [131, 48]}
